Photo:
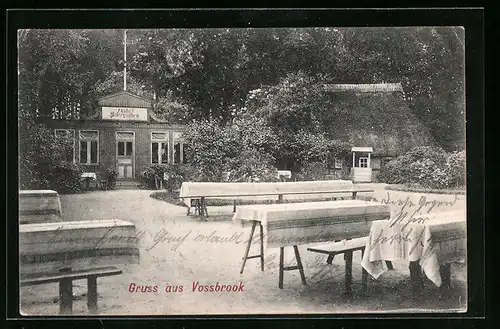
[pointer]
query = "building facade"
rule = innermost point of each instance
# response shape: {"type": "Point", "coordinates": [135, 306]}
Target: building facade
{"type": "Point", "coordinates": [123, 134]}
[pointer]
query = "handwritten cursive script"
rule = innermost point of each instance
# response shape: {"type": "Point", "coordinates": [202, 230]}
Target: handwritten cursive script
{"type": "Point", "coordinates": [98, 241]}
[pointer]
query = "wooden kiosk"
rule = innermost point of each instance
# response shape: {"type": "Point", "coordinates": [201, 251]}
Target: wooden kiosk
{"type": "Point", "coordinates": [361, 171]}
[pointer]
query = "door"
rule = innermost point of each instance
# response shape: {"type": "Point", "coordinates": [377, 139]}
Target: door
{"type": "Point", "coordinates": [125, 155]}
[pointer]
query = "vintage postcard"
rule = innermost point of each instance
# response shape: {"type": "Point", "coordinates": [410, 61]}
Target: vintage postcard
{"type": "Point", "coordinates": [209, 171]}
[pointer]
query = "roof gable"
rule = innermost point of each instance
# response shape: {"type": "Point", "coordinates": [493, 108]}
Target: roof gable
{"type": "Point", "coordinates": [124, 99]}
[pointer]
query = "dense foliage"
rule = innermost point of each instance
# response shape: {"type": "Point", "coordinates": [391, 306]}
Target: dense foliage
{"type": "Point", "coordinates": [175, 174]}
{"type": "Point", "coordinates": [427, 167]}
{"type": "Point", "coordinates": [110, 174]}
{"type": "Point", "coordinates": [43, 163]}
{"type": "Point", "coordinates": [65, 177]}
{"type": "Point", "coordinates": [207, 73]}
{"type": "Point", "coordinates": [244, 149]}
{"type": "Point", "coordinates": [252, 98]}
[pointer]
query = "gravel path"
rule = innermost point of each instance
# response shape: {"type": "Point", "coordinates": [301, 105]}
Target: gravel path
{"type": "Point", "coordinates": [180, 263]}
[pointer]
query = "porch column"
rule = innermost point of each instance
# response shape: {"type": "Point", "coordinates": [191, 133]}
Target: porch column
{"type": "Point", "coordinates": [369, 160]}
{"type": "Point", "coordinates": [353, 159]}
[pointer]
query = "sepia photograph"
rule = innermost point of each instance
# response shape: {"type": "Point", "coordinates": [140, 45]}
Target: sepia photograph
{"type": "Point", "coordinates": [242, 171]}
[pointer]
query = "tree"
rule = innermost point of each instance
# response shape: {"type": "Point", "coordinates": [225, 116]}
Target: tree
{"type": "Point", "coordinates": [207, 73]}
{"type": "Point", "coordinates": [161, 55]}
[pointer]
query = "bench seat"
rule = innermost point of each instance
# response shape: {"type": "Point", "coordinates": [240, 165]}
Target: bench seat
{"type": "Point", "coordinates": [340, 246]}
{"type": "Point", "coordinates": [346, 247]}
{"type": "Point", "coordinates": [65, 277]}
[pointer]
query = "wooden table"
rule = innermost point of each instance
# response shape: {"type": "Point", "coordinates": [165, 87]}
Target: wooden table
{"type": "Point", "coordinates": [202, 191]}
{"type": "Point", "coordinates": [294, 224]}
{"type": "Point", "coordinates": [79, 245]}
{"type": "Point", "coordinates": [88, 176]}
{"type": "Point", "coordinates": [39, 206]}
{"type": "Point", "coordinates": [429, 243]}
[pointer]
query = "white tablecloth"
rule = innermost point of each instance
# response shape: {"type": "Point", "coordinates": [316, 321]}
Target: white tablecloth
{"type": "Point", "coordinates": [89, 175]}
{"type": "Point", "coordinates": [435, 240]}
{"type": "Point", "coordinates": [77, 244]}
{"type": "Point", "coordinates": [197, 189]}
{"type": "Point", "coordinates": [286, 173]}
{"type": "Point", "coordinates": [311, 222]}
{"type": "Point", "coordinates": [39, 206]}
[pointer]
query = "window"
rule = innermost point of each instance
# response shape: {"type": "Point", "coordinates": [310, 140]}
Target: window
{"type": "Point", "coordinates": [124, 142]}
{"type": "Point", "coordinates": [159, 147]}
{"type": "Point", "coordinates": [67, 135]}
{"type": "Point", "coordinates": [338, 163]}
{"type": "Point", "coordinates": [124, 148]}
{"type": "Point", "coordinates": [363, 162]}
{"type": "Point", "coordinates": [178, 148]}
{"type": "Point", "coordinates": [89, 146]}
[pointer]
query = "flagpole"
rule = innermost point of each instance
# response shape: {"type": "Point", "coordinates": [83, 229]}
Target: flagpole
{"type": "Point", "coordinates": [125, 60]}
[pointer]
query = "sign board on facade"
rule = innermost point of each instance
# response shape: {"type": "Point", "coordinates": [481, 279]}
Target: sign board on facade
{"type": "Point", "coordinates": [124, 113]}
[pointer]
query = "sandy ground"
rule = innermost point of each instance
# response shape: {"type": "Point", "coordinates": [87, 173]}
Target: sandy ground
{"type": "Point", "coordinates": [195, 259]}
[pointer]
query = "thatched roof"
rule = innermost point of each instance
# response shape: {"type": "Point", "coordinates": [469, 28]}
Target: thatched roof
{"type": "Point", "coordinates": [377, 116]}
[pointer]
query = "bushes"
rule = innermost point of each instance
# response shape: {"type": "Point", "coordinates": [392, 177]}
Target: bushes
{"type": "Point", "coordinates": [425, 166]}
{"type": "Point", "coordinates": [42, 161]}
{"type": "Point", "coordinates": [176, 173]}
{"type": "Point", "coordinates": [251, 164]}
{"type": "Point", "coordinates": [211, 145]}
{"type": "Point", "coordinates": [65, 178]}
{"type": "Point", "coordinates": [313, 171]}
{"type": "Point", "coordinates": [110, 175]}
{"type": "Point", "coordinates": [456, 169]}
{"type": "Point", "coordinates": [244, 148]}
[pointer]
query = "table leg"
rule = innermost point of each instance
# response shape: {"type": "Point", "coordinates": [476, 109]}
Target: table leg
{"type": "Point", "coordinates": [65, 294]}
{"type": "Point", "coordinates": [348, 272]}
{"type": "Point", "coordinates": [234, 205]}
{"type": "Point", "coordinates": [92, 294]}
{"type": "Point", "coordinates": [299, 264]}
{"type": "Point", "coordinates": [201, 210]}
{"type": "Point", "coordinates": [354, 195]}
{"type": "Point", "coordinates": [445, 271]}
{"type": "Point", "coordinates": [416, 276]}
{"type": "Point", "coordinates": [330, 258]}
{"type": "Point", "coordinates": [364, 275]}
{"type": "Point", "coordinates": [87, 184]}
{"type": "Point", "coordinates": [261, 247]}
{"type": "Point", "coordinates": [248, 247]}
{"type": "Point", "coordinates": [282, 258]}
{"type": "Point", "coordinates": [280, 198]}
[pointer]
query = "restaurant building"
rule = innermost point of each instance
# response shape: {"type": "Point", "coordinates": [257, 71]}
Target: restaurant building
{"type": "Point", "coordinates": [124, 134]}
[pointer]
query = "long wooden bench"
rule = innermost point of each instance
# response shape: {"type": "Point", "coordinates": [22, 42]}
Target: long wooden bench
{"type": "Point", "coordinates": [65, 278]}
{"type": "Point", "coordinates": [200, 191]}
{"type": "Point", "coordinates": [346, 247]}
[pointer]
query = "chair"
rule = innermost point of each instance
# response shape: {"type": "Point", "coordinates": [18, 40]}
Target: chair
{"type": "Point", "coordinates": [101, 182]}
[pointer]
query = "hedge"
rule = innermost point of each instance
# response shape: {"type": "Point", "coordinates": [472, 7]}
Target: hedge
{"type": "Point", "coordinates": [426, 167]}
